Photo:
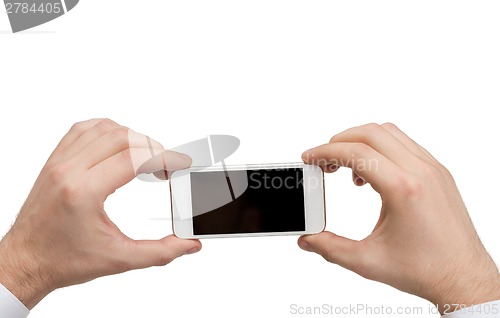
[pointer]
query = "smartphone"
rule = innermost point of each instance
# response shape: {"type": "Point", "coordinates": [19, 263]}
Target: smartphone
{"type": "Point", "coordinates": [248, 200]}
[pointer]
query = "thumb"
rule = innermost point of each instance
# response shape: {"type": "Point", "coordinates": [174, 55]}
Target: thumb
{"type": "Point", "coordinates": [335, 249]}
{"type": "Point", "coordinates": [149, 253]}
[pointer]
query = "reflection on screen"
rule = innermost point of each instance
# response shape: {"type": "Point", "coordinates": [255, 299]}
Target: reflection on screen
{"type": "Point", "coordinates": [273, 201]}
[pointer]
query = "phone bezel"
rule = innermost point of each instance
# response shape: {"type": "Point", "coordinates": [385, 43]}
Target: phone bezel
{"type": "Point", "coordinates": [314, 200]}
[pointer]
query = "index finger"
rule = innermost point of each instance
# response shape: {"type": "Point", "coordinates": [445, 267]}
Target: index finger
{"type": "Point", "coordinates": [382, 141]}
{"type": "Point", "coordinates": [76, 131]}
{"type": "Point", "coordinates": [371, 165]}
{"type": "Point", "coordinates": [123, 167]}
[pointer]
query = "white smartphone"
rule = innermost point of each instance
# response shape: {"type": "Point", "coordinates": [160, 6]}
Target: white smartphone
{"type": "Point", "coordinates": [248, 200]}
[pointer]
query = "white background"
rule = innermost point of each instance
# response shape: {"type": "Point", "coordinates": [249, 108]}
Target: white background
{"type": "Point", "coordinates": [283, 76]}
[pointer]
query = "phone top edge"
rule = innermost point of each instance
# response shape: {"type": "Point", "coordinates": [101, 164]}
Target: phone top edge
{"type": "Point", "coordinates": [248, 166]}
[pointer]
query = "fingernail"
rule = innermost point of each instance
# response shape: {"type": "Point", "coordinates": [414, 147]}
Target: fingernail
{"type": "Point", "coordinates": [305, 245]}
{"type": "Point", "coordinates": [193, 250]}
{"type": "Point", "coordinates": [332, 167]}
{"type": "Point", "coordinates": [359, 181]}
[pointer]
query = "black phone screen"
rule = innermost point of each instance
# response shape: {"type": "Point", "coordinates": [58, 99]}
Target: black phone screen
{"type": "Point", "coordinates": [248, 201]}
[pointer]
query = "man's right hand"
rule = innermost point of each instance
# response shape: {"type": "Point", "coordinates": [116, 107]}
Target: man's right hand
{"type": "Point", "coordinates": [424, 242]}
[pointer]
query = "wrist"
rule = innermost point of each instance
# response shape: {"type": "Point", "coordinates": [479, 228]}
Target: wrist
{"type": "Point", "coordinates": [466, 293]}
{"type": "Point", "coordinates": [20, 275]}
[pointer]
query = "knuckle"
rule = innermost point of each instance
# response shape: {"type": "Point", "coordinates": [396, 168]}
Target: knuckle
{"type": "Point", "coordinates": [58, 173]}
{"type": "Point", "coordinates": [360, 150]}
{"type": "Point", "coordinates": [50, 165]}
{"type": "Point", "coordinates": [437, 174]}
{"type": "Point", "coordinates": [125, 160]}
{"type": "Point", "coordinates": [120, 136]}
{"type": "Point", "coordinates": [445, 172]}
{"type": "Point", "coordinates": [329, 257]}
{"type": "Point", "coordinates": [105, 124]}
{"type": "Point", "coordinates": [429, 171]}
{"type": "Point", "coordinates": [328, 253]}
{"type": "Point", "coordinates": [69, 192]}
{"type": "Point", "coordinates": [164, 260]}
{"type": "Point", "coordinates": [433, 171]}
{"type": "Point", "coordinates": [359, 130]}
{"type": "Point", "coordinates": [78, 127]}
{"type": "Point", "coordinates": [372, 127]}
{"type": "Point", "coordinates": [126, 155]}
{"type": "Point", "coordinates": [389, 126]}
{"type": "Point", "coordinates": [415, 189]}
{"type": "Point", "coordinates": [107, 120]}
{"type": "Point", "coordinates": [369, 132]}
{"type": "Point", "coordinates": [408, 186]}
